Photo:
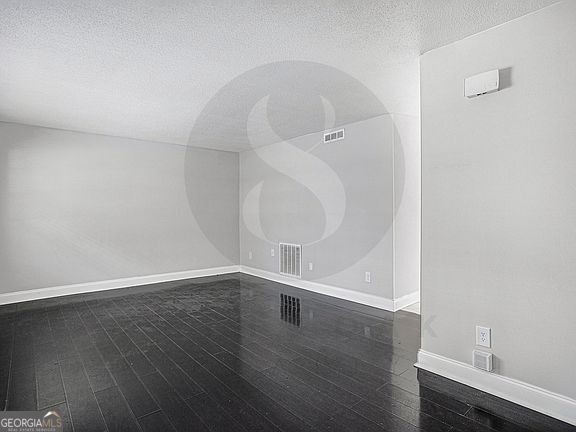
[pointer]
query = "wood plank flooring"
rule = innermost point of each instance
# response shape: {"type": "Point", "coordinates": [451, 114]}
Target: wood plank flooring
{"type": "Point", "coordinates": [226, 354]}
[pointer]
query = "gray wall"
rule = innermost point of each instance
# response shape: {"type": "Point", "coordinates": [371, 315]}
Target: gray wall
{"type": "Point", "coordinates": [339, 200]}
{"type": "Point", "coordinates": [79, 208]}
{"type": "Point", "coordinates": [407, 202]}
{"type": "Point", "coordinates": [499, 199]}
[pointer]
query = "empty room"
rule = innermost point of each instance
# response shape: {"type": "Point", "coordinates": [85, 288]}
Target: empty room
{"type": "Point", "coordinates": [287, 216]}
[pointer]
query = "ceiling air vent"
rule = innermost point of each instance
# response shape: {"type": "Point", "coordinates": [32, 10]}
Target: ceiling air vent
{"type": "Point", "coordinates": [334, 136]}
{"type": "Point", "coordinates": [290, 259]}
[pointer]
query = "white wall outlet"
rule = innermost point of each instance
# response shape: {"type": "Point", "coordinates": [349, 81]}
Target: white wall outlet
{"type": "Point", "coordinates": [250, 255]}
{"type": "Point", "coordinates": [272, 252]}
{"type": "Point", "coordinates": [310, 266]}
{"type": "Point", "coordinates": [368, 277]}
{"type": "Point", "coordinates": [483, 336]}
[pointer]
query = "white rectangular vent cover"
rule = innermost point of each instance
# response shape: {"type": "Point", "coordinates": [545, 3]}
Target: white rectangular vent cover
{"type": "Point", "coordinates": [334, 136]}
{"type": "Point", "coordinates": [482, 360]}
{"type": "Point", "coordinates": [290, 259]}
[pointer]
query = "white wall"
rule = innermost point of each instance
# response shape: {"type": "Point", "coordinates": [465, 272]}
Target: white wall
{"type": "Point", "coordinates": [369, 183]}
{"type": "Point", "coordinates": [77, 208]}
{"type": "Point", "coordinates": [407, 202]}
{"type": "Point", "coordinates": [499, 199]}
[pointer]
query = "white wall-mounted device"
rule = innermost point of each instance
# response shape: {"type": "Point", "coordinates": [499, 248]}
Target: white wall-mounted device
{"type": "Point", "coordinates": [477, 85]}
{"type": "Point", "coordinates": [482, 360]}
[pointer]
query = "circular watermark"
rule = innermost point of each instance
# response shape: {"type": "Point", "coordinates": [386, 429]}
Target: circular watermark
{"type": "Point", "coordinates": [337, 199]}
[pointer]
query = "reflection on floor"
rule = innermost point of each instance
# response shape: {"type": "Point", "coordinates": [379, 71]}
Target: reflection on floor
{"type": "Point", "coordinates": [231, 353]}
{"type": "Point", "coordinates": [414, 308]}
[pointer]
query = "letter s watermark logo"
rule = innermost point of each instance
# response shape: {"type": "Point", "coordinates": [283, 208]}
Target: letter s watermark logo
{"type": "Point", "coordinates": [336, 199]}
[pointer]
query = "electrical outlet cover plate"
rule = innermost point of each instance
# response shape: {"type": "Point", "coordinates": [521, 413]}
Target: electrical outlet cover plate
{"type": "Point", "coordinates": [483, 336]}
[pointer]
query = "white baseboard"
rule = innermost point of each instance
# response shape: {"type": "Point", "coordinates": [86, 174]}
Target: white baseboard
{"type": "Point", "coordinates": [36, 294]}
{"type": "Point", "coordinates": [407, 300]}
{"type": "Point", "coordinates": [521, 393]}
{"type": "Point", "coordinates": [341, 293]}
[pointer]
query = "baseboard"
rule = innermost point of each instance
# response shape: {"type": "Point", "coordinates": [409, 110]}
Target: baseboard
{"type": "Point", "coordinates": [407, 300]}
{"type": "Point", "coordinates": [521, 393]}
{"type": "Point", "coordinates": [341, 293]}
{"type": "Point", "coordinates": [36, 294]}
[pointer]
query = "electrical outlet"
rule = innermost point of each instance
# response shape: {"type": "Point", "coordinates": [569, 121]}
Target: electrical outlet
{"type": "Point", "coordinates": [483, 336]}
{"type": "Point", "coordinates": [250, 255]}
{"type": "Point", "coordinates": [310, 266]}
{"type": "Point", "coordinates": [272, 252]}
{"type": "Point", "coordinates": [368, 277]}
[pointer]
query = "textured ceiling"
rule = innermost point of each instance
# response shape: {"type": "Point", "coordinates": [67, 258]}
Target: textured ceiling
{"type": "Point", "coordinates": [149, 69]}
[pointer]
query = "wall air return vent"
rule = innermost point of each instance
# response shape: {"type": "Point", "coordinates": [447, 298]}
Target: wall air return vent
{"type": "Point", "coordinates": [334, 136]}
{"type": "Point", "coordinates": [290, 259]}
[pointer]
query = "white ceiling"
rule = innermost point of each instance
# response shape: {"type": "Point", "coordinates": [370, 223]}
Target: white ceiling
{"type": "Point", "coordinates": [148, 69]}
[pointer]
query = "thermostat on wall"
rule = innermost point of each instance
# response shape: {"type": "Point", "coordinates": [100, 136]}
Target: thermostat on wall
{"type": "Point", "coordinates": [477, 85]}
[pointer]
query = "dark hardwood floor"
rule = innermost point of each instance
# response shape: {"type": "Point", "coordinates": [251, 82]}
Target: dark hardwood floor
{"type": "Point", "coordinates": [233, 353]}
